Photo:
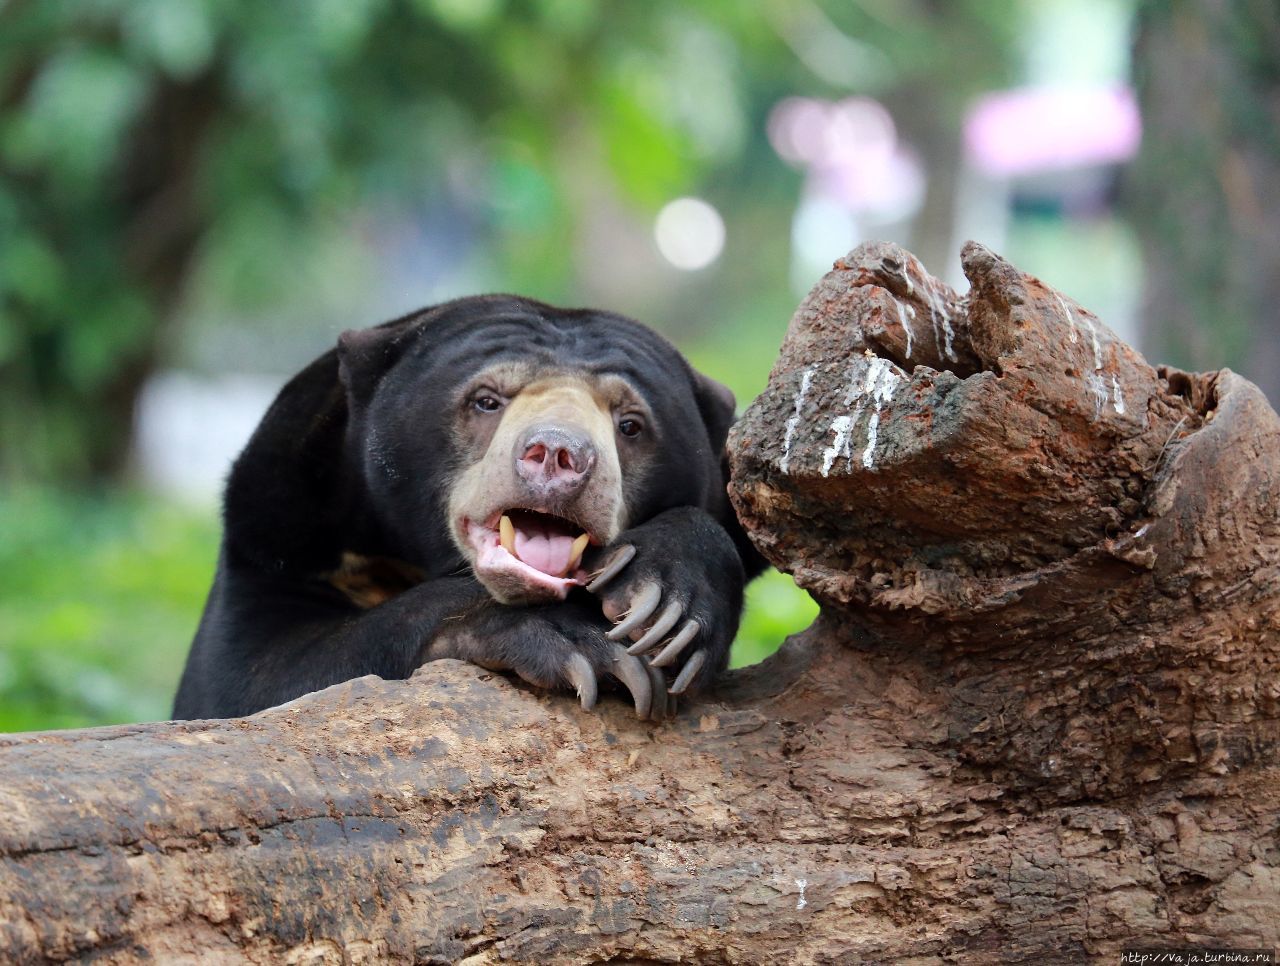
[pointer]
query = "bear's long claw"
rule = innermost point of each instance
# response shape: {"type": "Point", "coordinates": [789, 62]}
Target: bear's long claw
{"type": "Point", "coordinates": [677, 644]}
{"type": "Point", "coordinates": [643, 604]}
{"type": "Point", "coordinates": [583, 678]}
{"type": "Point", "coordinates": [613, 566]}
{"type": "Point", "coordinates": [666, 620]}
{"type": "Point", "coordinates": [661, 706]}
{"type": "Point", "coordinates": [688, 672]}
{"type": "Point", "coordinates": [630, 671]}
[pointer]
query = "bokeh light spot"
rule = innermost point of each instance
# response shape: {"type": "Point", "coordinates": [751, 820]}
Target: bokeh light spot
{"type": "Point", "coordinates": [689, 233]}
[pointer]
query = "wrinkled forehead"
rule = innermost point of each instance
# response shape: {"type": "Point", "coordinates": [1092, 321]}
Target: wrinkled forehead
{"type": "Point", "coordinates": [607, 351]}
{"type": "Point", "coordinates": [529, 383]}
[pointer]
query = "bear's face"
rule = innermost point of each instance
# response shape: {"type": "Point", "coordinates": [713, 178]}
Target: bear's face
{"type": "Point", "coordinates": [545, 456]}
{"type": "Point", "coordinates": [523, 435]}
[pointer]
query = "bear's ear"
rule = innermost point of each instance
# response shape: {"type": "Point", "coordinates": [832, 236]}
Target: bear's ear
{"type": "Point", "coordinates": [364, 356]}
{"type": "Point", "coordinates": [717, 405]}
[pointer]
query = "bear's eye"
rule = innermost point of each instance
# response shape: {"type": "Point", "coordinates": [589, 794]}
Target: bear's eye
{"type": "Point", "coordinates": [630, 426]}
{"type": "Point", "coordinates": [486, 402]}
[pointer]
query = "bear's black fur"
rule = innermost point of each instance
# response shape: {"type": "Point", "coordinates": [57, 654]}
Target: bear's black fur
{"type": "Point", "coordinates": [355, 461]}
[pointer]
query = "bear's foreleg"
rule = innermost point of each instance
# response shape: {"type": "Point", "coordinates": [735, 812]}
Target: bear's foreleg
{"type": "Point", "coordinates": [564, 644]}
{"type": "Point", "coordinates": [674, 585]}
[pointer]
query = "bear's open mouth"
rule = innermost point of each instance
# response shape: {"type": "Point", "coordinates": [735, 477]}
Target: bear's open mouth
{"type": "Point", "coordinates": [539, 549]}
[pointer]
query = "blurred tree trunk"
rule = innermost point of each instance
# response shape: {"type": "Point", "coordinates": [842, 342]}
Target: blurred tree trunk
{"type": "Point", "coordinates": [1204, 190]}
{"type": "Point", "coordinates": [59, 417]}
{"type": "Point", "coordinates": [934, 129]}
{"type": "Point", "coordinates": [959, 51]}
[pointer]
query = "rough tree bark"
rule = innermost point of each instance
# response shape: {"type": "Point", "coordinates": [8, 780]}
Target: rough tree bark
{"type": "Point", "coordinates": [1036, 719]}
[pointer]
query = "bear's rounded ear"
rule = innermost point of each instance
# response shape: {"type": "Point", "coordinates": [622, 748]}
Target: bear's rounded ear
{"type": "Point", "coordinates": [364, 355]}
{"type": "Point", "coordinates": [717, 404]}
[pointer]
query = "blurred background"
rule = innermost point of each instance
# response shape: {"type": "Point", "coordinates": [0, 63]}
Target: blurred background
{"type": "Point", "coordinates": [196, 196]}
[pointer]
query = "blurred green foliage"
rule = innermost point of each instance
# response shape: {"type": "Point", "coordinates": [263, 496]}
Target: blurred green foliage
{"type": "Point", "coordinates": [140, 139]}
{"type": "Point", "coordinates": [102, 597]}
{"type": "Point", "coordinates": [776, 608]}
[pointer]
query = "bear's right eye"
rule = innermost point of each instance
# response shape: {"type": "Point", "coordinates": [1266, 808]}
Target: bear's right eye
{"type": "Point", "coordinates": [486, 402]}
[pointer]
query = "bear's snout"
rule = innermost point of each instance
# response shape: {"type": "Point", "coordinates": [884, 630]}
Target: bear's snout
{"type": "Point", "coordinates": [554, 461]}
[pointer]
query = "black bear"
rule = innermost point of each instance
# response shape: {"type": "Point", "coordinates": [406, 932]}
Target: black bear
{"type": "Point", "coordinates": [491, 479]}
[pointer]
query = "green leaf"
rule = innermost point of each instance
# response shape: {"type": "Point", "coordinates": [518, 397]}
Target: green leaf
{"type": "Point", "coordinates": [32, 272]}
{"type": "Point", "coordinates": [649, 158]}
{"type": "Point", "coordinates": [462, 15]}
{"type": "Point", "coordinates": [178, 37]}
{"type": "Point", "coordinates": [74, 121]}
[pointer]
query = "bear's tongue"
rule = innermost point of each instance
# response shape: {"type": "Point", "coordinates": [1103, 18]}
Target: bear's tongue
{"type": "Point", "coordinates": [544, 551]}
{"type": "Point", "coordinates": [543, 543]}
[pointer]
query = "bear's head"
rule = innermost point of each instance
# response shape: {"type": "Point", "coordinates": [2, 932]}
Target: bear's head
{"type": "Point", "coordinates": [518, 436]}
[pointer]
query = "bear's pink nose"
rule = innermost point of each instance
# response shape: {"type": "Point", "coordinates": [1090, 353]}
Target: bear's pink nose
{"type": "Point", "coordinates": [554, 461]}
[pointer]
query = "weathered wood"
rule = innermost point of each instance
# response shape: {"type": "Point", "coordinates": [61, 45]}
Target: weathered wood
{"type": "Point", "coordinates": [1036, 719]}
{"type": "Point", "coordinates": [1087, 548]}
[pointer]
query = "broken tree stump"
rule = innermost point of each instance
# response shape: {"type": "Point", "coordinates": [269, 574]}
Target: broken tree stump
{"type": "Point", "coordinates": [1084, 548]}
{"type": "Point", "coordinates": [1036, 719]}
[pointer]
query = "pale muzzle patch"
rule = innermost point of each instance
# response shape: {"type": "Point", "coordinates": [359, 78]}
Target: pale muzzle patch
{"type": "Point", "coordinates": [525, 547]}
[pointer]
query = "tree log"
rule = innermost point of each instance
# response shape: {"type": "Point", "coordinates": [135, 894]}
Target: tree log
{"type": "Point", "coordinates": [1035, 720]}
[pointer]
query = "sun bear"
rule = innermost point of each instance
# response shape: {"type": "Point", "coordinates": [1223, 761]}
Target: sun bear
{"type": "Point", "coordinates": [531, 489]}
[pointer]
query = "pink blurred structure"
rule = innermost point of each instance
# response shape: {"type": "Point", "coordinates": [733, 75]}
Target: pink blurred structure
{"type": "Point", "coordinates": [1033, 130]}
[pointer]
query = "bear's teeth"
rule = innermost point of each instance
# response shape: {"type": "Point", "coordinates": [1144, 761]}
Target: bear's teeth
{"type": "Point", "coordinates": [575, 554]}
{"type": "Point", "coordinates": [507, 534]}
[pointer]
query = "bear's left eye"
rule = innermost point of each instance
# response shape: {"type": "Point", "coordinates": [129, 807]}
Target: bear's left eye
{"type": "Point", "coordinates": [486, 402]}
{"type": "Point", "coordinates": [629, 426]}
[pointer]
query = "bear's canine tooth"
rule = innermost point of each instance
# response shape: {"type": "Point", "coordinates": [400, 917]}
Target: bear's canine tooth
{"type": "Point", "coordinates": [575, 554]}
{"type": "Point", "coordinates": [507, 534]}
